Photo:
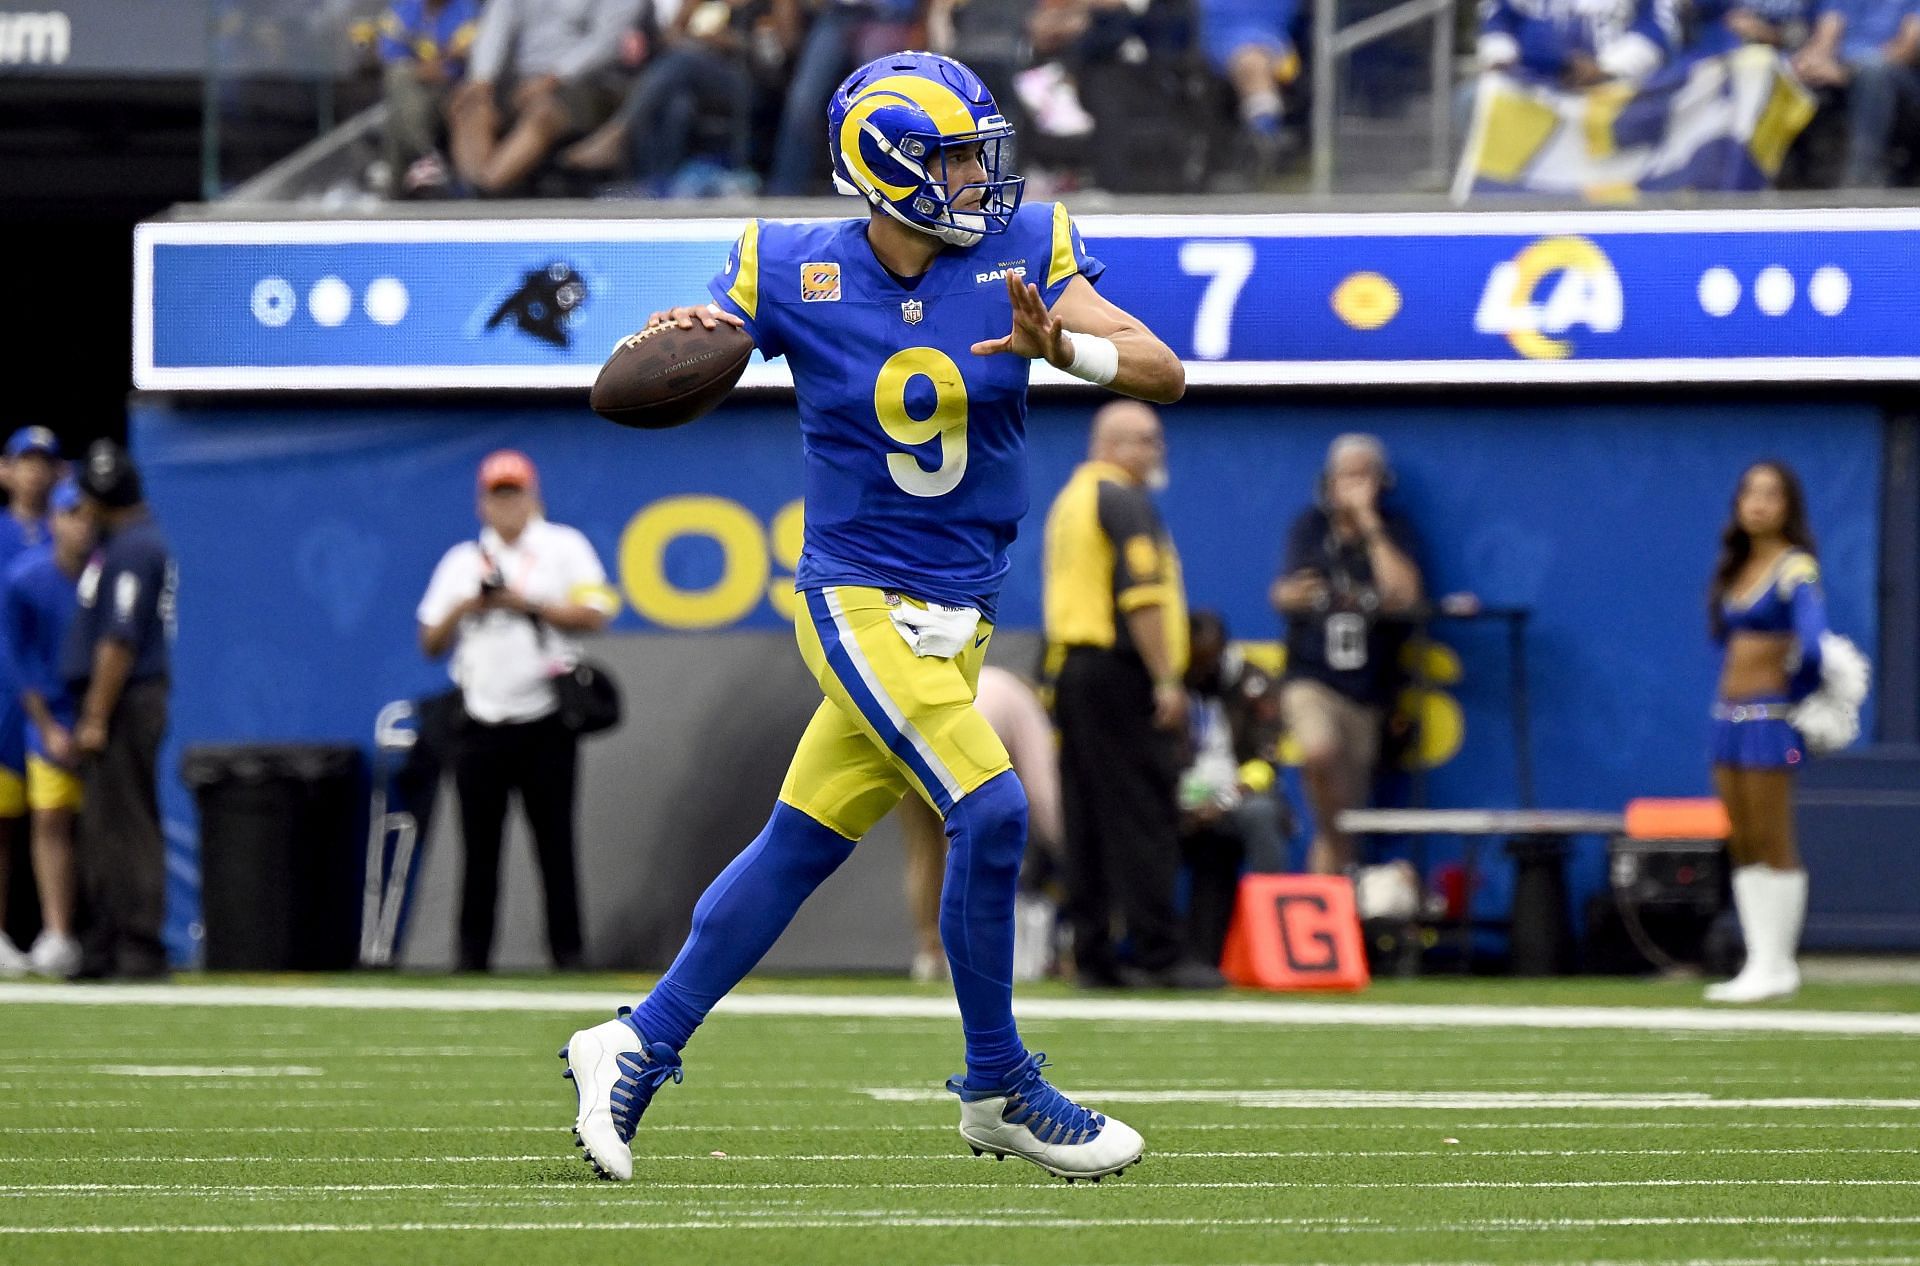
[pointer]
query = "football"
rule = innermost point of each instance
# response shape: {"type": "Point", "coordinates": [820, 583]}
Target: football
{"type": "Point", "coordinates": [666, 376]}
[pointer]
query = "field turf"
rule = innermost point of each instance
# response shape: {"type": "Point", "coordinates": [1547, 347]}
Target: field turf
{"type": "Point", "coordinates": [147, 1126]}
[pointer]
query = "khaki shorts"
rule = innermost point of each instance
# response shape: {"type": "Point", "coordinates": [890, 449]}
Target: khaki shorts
{"type": "Point", "coordinates": [589, 101]}
{"type": "Point", "coordinates": [1322, 720]}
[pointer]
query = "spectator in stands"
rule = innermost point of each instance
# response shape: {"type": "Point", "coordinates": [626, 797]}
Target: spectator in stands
{"type": "Point", "coordinates": [1048, 89]}
{"type": "Point", "coordinates": [1019, 719]}
{"type": "Point", "coordinates": [37, 607]}
{"type": "Point", "coordinates": [1116, 618]}
{"type": "Point", "coordinates": [1113, 70]}
{"type": "Point", "coordinates": [1872, 49]}
{"type": "Point", "coordinates": [703, 68]}
{"type": "Point", "coordinates": [423, 48]}
{"type": "Point", "coordinates": [843, 34]}
{"type": "Point", "coordinates": [1720, 26]}
{"type": "Point", "coordinates": [1250, 44]}
{"type": "Point", "coordinates": [1577, 44]}
{"type": "Point", "coordinates": [541, 71]}
{"type": "Point", "coordinates": [508, 606]}
{"type": "Point", "coordinates": [987, 35]}
{"type": "Point", "coordinates": [1347, 582]}
{"type": "Point", "coordinates": [117, 660]}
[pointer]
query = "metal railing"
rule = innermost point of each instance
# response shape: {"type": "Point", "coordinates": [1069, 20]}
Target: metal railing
{"type": "Point", "coordinates": [1334, 44]}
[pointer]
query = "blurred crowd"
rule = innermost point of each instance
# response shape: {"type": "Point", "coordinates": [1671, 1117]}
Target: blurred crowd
{"type": "Point", "coordinates": [691, 98]}
{"type": "Point", "coordinates": [1860, 57]}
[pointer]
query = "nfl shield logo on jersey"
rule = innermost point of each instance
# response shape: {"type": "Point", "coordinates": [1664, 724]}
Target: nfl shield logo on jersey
{"type": "Point", "coordinates": [911, 310]}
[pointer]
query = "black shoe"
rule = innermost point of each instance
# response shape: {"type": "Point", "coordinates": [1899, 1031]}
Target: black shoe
{"type": "Point", "coordinates": [1098, 976]}
{"type": "Point", "coordinates": [1185, 974]}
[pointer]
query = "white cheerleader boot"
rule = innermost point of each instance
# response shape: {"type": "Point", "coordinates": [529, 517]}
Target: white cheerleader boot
{"type": "Point", "coordinates": [1772, 906]}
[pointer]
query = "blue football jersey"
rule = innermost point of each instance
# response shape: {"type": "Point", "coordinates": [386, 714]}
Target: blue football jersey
{"type": "Point", "coordinates": [37, 605]}
{"type": "Point", "coordinates": [16, 538]}
{"type": "Point", "coordinates": [916, 472]}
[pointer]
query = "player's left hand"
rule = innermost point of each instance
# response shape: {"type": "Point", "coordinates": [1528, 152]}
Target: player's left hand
{"type": "Point", "coordinates": [1037, 333]}
{"type": "Point", "coordinates": [90, 737]}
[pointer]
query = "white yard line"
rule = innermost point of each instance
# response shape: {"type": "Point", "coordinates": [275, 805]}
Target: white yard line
{"type": "Point", "coordinates": [1450, 1100]}
{"type": "Point", "coordinates": [1437, 1152]}
{"type": "Point", "coordinates": [890, 1128]}
{"type": "Point", "coordinates": [891, 1218]}
{"type": "Point", "coordinates": [18, 1189]}
{"type": "Point", "coordinates": [1236, 1185]}
{"type": "Point", "coordinates": [205, 1070]}
{"type": "Point", "coordinates": [1223, 1011]}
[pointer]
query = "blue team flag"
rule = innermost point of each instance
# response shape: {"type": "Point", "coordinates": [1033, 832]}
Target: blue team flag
{"type": "Point", "coordinates": [1722, 122]}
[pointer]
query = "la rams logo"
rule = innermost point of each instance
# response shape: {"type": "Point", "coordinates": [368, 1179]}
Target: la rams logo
{"type": "Point", "coordinates": [819, 283]}
{"type": "Point", "coordinates": [1517, 303]}
{"type": "Point", "coordinates": [911, 310]}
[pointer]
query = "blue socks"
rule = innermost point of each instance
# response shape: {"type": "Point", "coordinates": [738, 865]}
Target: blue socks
{"type": "Point", "coordinates": [745, 910]}
{"type": "Point", "coordinates": [986, 837]}
{"type": "Point", "coordinates": [738, 918]}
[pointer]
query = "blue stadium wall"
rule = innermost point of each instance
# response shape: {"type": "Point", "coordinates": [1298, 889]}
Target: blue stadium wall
{"type": "Point", "coordinates": [306, 535]}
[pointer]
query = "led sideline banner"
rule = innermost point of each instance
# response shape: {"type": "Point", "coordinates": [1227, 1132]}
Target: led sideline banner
{"type": "Point", "coordinates": [1429, 298]}
{"type": "Point", "coordinates": [306, 533]}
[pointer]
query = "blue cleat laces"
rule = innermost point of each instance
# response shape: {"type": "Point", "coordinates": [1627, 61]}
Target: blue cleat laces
{"type": "Point", "coordinates": [1032, 1101]}
{"type": "Point", "coordinates": [641, 1073]}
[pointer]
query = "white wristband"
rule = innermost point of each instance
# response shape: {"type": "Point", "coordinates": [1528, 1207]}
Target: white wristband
{"type": "Point", "coordinates": [1095, 359]}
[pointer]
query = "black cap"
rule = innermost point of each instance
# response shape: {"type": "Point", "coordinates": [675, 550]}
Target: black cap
{"type": "Point", "coordinates": [110, 476]}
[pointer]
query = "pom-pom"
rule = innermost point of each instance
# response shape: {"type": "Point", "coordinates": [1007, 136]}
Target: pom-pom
{"type": "Point", "coordinates": [1829, 718]}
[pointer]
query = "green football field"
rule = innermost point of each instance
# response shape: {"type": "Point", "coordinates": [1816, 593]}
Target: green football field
{"type": "Point", "coordinates": [420, 1122]}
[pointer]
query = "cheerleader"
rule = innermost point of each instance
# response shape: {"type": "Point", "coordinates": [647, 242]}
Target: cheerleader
{"type": "Point", "coordinates": [1767, 612]}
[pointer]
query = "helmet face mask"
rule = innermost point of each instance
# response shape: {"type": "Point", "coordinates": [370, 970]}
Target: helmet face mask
{"type": "Point", "coordinates": [892, 125]}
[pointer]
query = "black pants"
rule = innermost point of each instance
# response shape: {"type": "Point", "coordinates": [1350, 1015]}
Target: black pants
{"type": "Point", "coordinates": [538, 758]}
{"type": "Point", "coordinates": [120, 852]}
{"type": "Point", "coordinates": [1118, 775]}
{"type": "Point", "coordinates": [1213, 855]}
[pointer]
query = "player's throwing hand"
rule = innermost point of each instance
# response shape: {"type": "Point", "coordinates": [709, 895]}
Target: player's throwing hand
{"type": "Point", "coordinates": [684, 317]}
{"type": "Point", "coordinates": [1037, 333]}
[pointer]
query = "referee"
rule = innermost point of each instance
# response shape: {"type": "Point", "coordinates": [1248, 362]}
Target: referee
{"type": "Point", "coordinates": [1116, 616]}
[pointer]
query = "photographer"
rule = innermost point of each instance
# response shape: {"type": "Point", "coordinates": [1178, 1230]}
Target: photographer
{"type": "Point", "coordinates": [1348, 573]}
{"type": "Point", "coordinates": [507, 605]}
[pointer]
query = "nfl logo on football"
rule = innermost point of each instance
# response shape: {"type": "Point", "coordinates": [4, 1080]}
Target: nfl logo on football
{"type": "Point", "coordinates": [911, 310]}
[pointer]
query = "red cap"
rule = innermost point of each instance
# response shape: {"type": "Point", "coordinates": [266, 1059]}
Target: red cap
{"type": "Point", "coordinates": [508, 468]}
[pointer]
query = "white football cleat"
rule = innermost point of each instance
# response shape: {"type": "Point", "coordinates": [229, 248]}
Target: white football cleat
{"type": "Point", "coordinates": [1028, 1118]}
{"type": "Point", "coordinates": [614, 1076]}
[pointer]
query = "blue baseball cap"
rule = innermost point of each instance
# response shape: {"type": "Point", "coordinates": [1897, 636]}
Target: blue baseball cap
{"type": "Point", "coordinates": [65, 497]}
{"type": "Point", "coordinates": [33, 439]}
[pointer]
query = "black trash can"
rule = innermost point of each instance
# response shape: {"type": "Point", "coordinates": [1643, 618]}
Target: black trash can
{"type": "Point", "coordinates": [1542, 931]}
{"type": "Point", "coordinates": [282, 846]}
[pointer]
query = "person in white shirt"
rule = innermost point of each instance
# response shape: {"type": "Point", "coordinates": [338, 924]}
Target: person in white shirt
{"type": "Point", "coordinates": [508, 605]}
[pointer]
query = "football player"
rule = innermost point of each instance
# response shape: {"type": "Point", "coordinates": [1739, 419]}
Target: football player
{"type": "Point", "coordinates": [911, 379]}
